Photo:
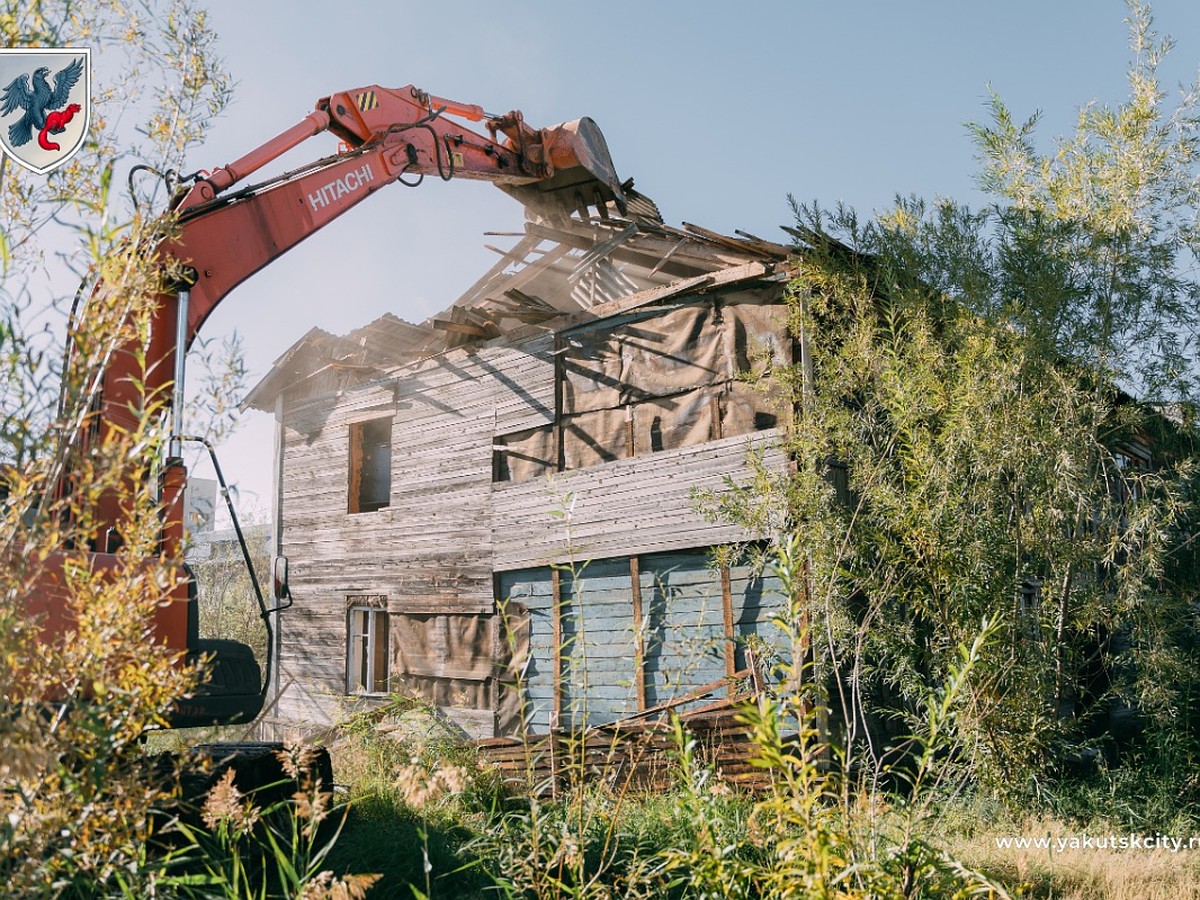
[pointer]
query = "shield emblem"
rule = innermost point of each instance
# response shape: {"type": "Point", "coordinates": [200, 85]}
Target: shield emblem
{"type": "Point", "coordinates": [45, 105]}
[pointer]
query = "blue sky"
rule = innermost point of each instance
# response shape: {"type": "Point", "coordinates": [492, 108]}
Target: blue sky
{"type": "Point", "coordinates": [719, 111]}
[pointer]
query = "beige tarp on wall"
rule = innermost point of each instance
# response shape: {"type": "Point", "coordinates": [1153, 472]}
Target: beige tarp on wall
{"type": "Point", "coordinates": [514, 657]}
{"type": "Point", "coordinates": [457, 646]}
{"type": "Point", "coordinates": [682, 420]}
{"type": "Point", "coordinates": [448, 659]}
{"type": "Point", "coordinates": [595, 437]}
{"type": "Point", "coordinates": [653, 357]}
{"type": "Point", "coordinates": [658, 382]}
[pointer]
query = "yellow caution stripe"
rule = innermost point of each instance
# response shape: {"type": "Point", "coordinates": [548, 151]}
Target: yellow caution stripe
{"type": "Point", "coordinates": [367, 100]}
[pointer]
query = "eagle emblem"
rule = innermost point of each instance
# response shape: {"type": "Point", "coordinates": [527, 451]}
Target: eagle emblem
{"type": "Point", "coordinates": [44, 105]}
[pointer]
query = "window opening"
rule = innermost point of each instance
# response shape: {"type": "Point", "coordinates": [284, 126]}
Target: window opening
{"type": "Point", "coordinates": [370, 465]}
{"type": "Point", "coordinates": [367, 654]}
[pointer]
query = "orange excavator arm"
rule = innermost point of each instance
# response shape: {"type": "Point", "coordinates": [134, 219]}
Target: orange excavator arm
{"type": "Point", "coordinates": [226, 235]}
{"type": "Point", "coordinates": [226, 230]}
{"type": "Point", "coordinates": [388, 134]}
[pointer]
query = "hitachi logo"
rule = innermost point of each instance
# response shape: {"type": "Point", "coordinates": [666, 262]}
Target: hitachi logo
{"type": "Point", "coordinates": [340, 187]}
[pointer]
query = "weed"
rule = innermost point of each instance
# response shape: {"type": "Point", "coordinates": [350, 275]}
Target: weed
{"type": "Point", "coordinates": [279, 850]}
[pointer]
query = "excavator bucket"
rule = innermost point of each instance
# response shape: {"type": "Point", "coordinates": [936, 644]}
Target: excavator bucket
{"type": "Point", "coordinates": [584, 174]}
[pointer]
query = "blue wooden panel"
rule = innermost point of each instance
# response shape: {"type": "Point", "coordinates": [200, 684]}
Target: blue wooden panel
{"type": "Point", "coordinates": [533, 589]}
{"type": "Point", "coordinates": [681, 602]}
{"type": "Point", "coordinates": [757, 601]}
{"type": "Point", "coordinates": [683, 630]}
{"type": "Point", "coordinates": [598, 658]}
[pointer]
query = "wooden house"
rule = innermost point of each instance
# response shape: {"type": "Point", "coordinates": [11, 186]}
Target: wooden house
{"type": "Point", "coordinates": [496, 508]}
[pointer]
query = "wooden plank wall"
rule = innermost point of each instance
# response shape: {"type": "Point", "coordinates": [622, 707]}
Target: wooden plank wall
{"type": "Point", "coordinates": [430, 550]}
{"type": "Point", "coordinates": [685, 632]}
{"type": "Point", "coordinates": [598, 683]}
{"type": "Point", "coordinates": [643, 504]}
{"type": "Point", "coordinates": [682, 629]}
{"type": "Point", "coordinates": [758, 602]}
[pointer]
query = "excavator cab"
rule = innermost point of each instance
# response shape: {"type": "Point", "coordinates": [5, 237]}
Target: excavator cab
{"type": "Point", "coordinates": [233, 689]}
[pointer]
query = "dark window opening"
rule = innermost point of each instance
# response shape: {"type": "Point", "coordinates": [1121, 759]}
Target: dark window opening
{"type": "Point", "coordinates": [370, 465]}
{"type": "Point", "coordinates": [367, 651]}
{"type": "Point", "coordinates": [500, 469]}
{"type": "Point", "coordinates": [656, 437]}
{"type": "Point", "coordinates": [839, 477]}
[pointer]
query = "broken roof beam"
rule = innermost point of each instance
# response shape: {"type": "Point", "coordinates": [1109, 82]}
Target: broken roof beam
{"type": "Point", "coordinates": [519, 306]}
{"type": "Point", "coordinates": [656, 240]}
{"type": "Point", "coordinates": [768, 247]}
{"type": "Point", "coordinates": [679, 268]}
{"type": "Point", "coordinates": [497, 280]}
{"type": "Point", "coordinates": [601, 251]}
{"type": "Point", "coordinates": [461, 328]}
{"type": "Point", "coordinates": [464, 327]}
{"type": "Point", "coordinates": [512, 256]}
{"type": "Point", "coordinates": [666, 256]}
{"type": "Point", "coordinates": [732, 277]}
{"type": "Point", "coordinates": [518, 254]}
{"type": "Point", "coordinates": [524, 276]}
{"type": "Point", "coordinates": [520, 296]}
{"type": "Point", "coordinates": [757, 245]}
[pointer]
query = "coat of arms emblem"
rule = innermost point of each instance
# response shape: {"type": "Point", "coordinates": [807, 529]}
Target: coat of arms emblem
{"type": "Point", "coordinates": [45, 105]}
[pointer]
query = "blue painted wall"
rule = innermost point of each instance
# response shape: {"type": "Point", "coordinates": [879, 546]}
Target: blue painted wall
{"type": "Point", "coordinates": [682, 628]}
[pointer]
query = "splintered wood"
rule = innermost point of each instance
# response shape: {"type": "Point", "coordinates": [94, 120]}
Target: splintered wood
{"type": "Point", "coordinates": [636, 753]}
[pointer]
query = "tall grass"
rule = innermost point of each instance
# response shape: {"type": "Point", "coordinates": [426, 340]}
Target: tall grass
{"type": "Point", "coordinates": [821, 830]}
{"type": "Point", "coordinates": [436, 823]}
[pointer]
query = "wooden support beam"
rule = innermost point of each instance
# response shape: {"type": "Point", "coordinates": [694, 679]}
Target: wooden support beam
{"type": "Point", "coordinates": [518, 305]}
{"type": "Point", "coordinates": [691, 696]}
{"type": "Point", "coordinates": [756, 245]}
{"type": "Point", "coordinates": [769, 247]}
{"type": "Point", "coordinates": [639, 634]}
{"type": "Point", "coordinates": [531, 300]}
{"type": "Point", "coordinates": [557, 637]}
{"type": "Point", "coordinates": [531, 270]}
{"type": "Point", "coordinates": [727, 611]}
{"type": "Point", "coordinates": [678, 266]}
{"type": "Point", "coordinates": [517, 254]}
{"type": "Point", "coordinates": [559, 399]}
{"type": "Point", "coordinates": [460, 328]}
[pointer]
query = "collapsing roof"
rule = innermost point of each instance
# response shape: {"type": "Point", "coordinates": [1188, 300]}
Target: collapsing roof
{"type": "Point", "coordinates": [561, 269]}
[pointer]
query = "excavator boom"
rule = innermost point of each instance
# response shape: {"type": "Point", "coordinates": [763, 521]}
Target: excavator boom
{"type": "Point", "coordinates": [387, 135]}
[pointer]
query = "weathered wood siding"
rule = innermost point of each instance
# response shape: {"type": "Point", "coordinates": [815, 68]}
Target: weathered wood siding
{"type": "Point", "coordinates": [598, 643]}
{"type": "Point", "coordinates": [448, 528]}
{"type": "Point", "coordinates": [643, 504]}
{"type": "Point", "coordinates": [430, 550]}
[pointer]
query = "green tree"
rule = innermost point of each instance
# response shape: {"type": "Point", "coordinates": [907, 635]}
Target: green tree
{"type": "Point", "coordinates": [967, 382]}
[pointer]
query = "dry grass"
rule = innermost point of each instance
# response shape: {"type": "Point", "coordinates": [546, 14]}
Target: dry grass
{"type": "Point", "coordinates": [1081, 873]}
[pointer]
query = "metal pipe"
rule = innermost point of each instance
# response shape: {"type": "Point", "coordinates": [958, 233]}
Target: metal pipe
{"type": "Point", "coordinates": [177, 399]}
{"type": "Point", "coordinates": [264, 612]}
{"type": "Point", "coordinates": [311, 125]}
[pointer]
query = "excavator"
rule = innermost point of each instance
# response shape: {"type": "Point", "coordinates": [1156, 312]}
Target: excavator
{"type": "Point", "coordinates": [224, 230]}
